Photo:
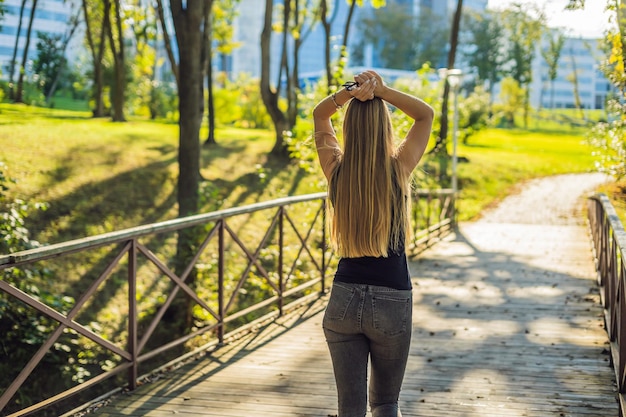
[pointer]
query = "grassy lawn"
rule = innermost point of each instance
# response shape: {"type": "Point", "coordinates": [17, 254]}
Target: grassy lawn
{"type": "Point", "coordinates": [100, 176]}
{"type": "Point", "coordinates": [499, 160]}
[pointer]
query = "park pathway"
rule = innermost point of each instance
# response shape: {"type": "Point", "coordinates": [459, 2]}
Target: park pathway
{"type": "Point", "coordinates": [507, 322]}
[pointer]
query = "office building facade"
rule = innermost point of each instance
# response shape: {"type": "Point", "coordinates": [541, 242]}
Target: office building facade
{"type": "Point", "coordinates": [51, 17]}
{"type": "Point", "coordinates": [578, 77]}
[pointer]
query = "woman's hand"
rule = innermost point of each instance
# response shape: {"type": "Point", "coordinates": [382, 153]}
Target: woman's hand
{"type": "Point", "coordinates": [371, 78]}
{"type": "Point", "coordinates": [367, 87]}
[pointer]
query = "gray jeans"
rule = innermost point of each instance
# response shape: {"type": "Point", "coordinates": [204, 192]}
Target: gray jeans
{"type": "Point", "coordinates": [364, 322]}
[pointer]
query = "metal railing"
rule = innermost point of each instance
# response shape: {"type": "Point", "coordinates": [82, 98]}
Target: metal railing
{"type": "Point", "coordinates": [293, 239]}
{"type": "Point", "coordinates": [609, 243]}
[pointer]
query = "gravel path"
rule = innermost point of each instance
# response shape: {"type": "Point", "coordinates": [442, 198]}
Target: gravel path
{"type": "Point", "coordinates": [556, 200]}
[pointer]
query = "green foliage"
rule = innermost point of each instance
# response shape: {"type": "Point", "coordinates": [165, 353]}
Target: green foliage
{"type": "Point", "coordinates": [222, 16]}
{"type": "Point", "coordinates": [512, 99]}
{"type": "Point", "coordinates": [23, 329]}
{"type": "Point", "coordinates": [13, 213]}
{"type": "Point", "coordinates": [238, 103]}
{"type": "Point", "coordinates": [609, 141]}
{"type": "Point", "coordinates": [485, 33]}
{"type": "Point", "coordinates": [2, 12]}
{"type": "Point", "coordinates": [609, 138]}
{"type": "Point", "coordinates": [32, 92]}
{"type": "Point", "coordinates": [473, 113]}
{"type": "Point", "coordinates": [49, 61]}
{"type": "Point", "coordinates": [402, 43]}
{"type": "Point", "coordinates": [524, 26]}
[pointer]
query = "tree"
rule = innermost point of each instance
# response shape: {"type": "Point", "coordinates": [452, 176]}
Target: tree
{"type": "Point", "coordinates": [15, 48]}
{"type": "Point", "coordinates": [207, 64]}
{"type": "Point", "coordinates": [442, 138]}
{"type": "Point", "coordinates": [524, 32]}
{"type": "Point", "coordinates": [167, 40]}
{"type": "Point", "coordinates": [65, 39]}
{"type": "Point", "coordinates": [116, 43]}
{"type": "Point", "coordinates": [326, 22]}
{"type": "Point", "coordinates": [146, 90]}
{"type": "Point", "coordinates": [431, 38]}
{"type": "Point", "coordinates": [49, 61]}
{"type": "Point", "coordinates": [327, 14]}
{"type": "Point", "coordinates": [20, 81]}
{"type": "Point", "coordinates": [188, 26]}
{"type": "Point", "coordinates": [188, 19]}
{"type": "Point", "coordinates": [609, 138]}
{"type": "Point", "coordinates": [573, 78]}
{"type": "Point", "coordinates": [512, 98]}
{"type": "Point", "coordinates": [96, 21]}
{"type": "Point", "coordinates": [392, 32]}
{"type": "Point", "coordinates": [552, 56]}
{"type": "Point", "coordinates": [271, 94]}
{"type": "Point", "coordinates": [485, 33]}
{"type": "Point", "coordinates": [218, 30]}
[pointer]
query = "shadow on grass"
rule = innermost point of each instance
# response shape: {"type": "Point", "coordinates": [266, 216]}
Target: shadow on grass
{"type": "Point", "coordinates": [144, 195]}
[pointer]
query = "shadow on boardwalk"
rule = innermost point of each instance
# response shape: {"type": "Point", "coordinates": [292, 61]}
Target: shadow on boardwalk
{"type": "Point", "coordinates": [507, 322]}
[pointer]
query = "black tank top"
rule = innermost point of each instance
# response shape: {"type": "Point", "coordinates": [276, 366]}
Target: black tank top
{"type": "Point", "coordinates": [392, 271]}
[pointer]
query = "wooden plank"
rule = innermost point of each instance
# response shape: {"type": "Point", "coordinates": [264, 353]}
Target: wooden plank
{"type": "Point", "coordinates": [507, 323]}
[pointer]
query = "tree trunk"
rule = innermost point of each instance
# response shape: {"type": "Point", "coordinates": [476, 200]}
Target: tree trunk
{"type": "Point", "coordinates": [346, 29]}
{"type": "Point", "coordinates": [574, 79]}
{"type": "Point", "coordinates": [292, 80]}
{"type": "Point", "coordinates": [208, 47]}
{"type": "Point", "coordinates": [187, 22]}
{"type": "Point", "coordinates": [117, 48]}
{"type": "Point", "coordinates": [188, 25]}
{"type": "Point", "coordinates": [17, 41]}
{"type": "Point", "coordinates": [19, 95]}
{"type": "Point", "coordinates": [621, 24]}
{"type": "Point", "coordinates": [97, 55]}
{"type": "Point", "coordinates": [442, 139]}
{"type": "Point", "coordinates": [327, 62]}
{"type": "Point", "coordinates": [167, 40]}
{"type": "Point", "coordinates": [269, 94]}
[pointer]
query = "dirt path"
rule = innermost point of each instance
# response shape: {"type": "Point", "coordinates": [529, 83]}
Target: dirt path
{"type": "Point", "coordinates": [556, 200]}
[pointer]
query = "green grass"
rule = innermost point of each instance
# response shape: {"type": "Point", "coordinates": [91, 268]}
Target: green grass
{"type": "Point", "coordinates": [100, 176]}
{"type": "Point", "coordinates": [66, 103]}
{"type": "Point", "coordinates": [498, 160]}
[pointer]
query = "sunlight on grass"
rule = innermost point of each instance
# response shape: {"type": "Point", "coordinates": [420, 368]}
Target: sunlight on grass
{"type": "Point", "coordinates": [495, 161]}
{"type": "Point", "coordinates": [100, 176]}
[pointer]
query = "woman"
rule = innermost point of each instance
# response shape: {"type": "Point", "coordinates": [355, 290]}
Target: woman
{"type": "Point", "coordinates": [368, 316]}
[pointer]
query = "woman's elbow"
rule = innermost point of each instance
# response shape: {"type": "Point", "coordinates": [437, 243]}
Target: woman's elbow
{"type": "Point", "coordinates": [429, 114]}
{"type": "Point", "coordinates": [426, 116]}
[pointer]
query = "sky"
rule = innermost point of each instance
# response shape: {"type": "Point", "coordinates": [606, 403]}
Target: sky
{"type": "Point", "coordinates": [588, 23]}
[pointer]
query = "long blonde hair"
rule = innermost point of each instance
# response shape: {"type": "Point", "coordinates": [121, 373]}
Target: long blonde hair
{"type": "Point", "coordinates": [368, 214]}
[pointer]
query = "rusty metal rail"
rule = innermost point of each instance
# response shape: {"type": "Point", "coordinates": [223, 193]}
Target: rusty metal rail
{"type": "Point", "coordinates": [299, 264]}
{"type": "Point", "coordinates": [609, 243]}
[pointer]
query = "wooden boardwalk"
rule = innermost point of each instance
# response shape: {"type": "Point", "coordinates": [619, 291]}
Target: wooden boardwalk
{"type": "Point", "coordinates": [507, 322]}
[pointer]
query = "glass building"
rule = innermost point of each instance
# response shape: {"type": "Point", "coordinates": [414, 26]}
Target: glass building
{"type": "Point", "coordinates": [51, 17]}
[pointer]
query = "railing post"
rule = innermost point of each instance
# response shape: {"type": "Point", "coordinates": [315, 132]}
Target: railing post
{"type": "Point", "coordinates": [281, 284]}
{"type": "Point", "coordinates": [132, 314]}
{"type": "Point", "coordinates": [220, 281]}
{"type": "Point", "coordinates": [323, 271]}
{"type": "Point", "coordinates": [609, 239]}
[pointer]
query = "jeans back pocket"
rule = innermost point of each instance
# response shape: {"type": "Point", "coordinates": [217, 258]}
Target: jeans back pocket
{"type": "Point", "coordinates": [391, 313]}
{"type": "Point", "coordinates": [340, 299]}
